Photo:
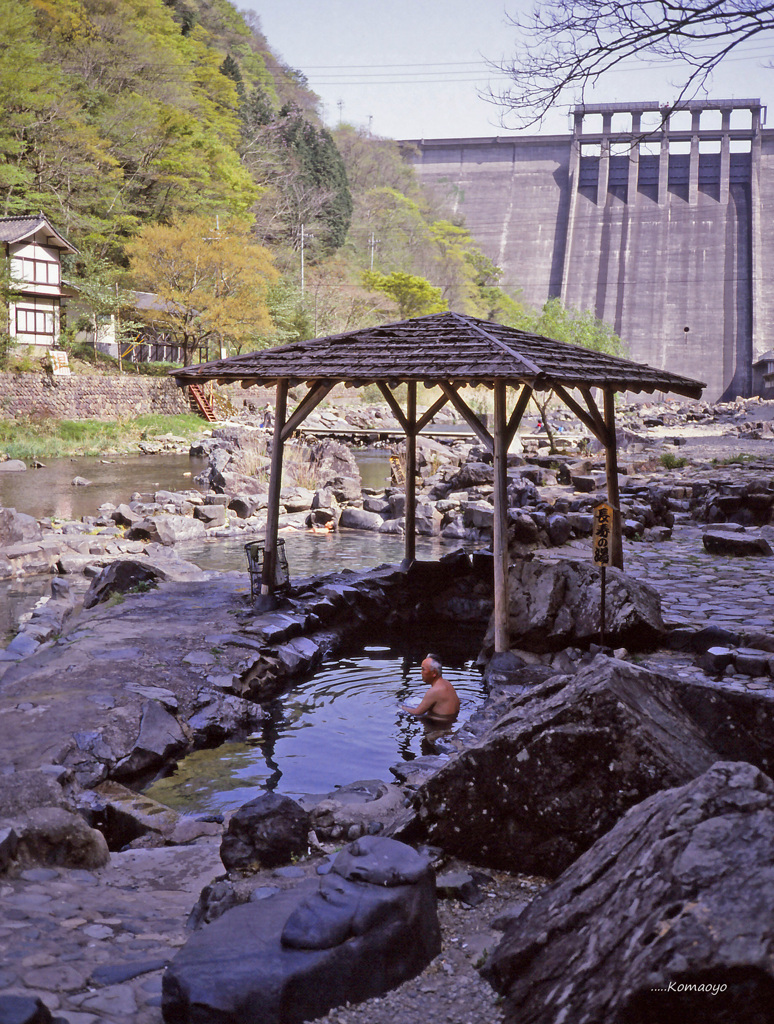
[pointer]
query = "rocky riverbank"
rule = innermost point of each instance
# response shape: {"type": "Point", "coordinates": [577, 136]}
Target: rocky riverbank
{"type": "Point", "coordinates": [575, 743]}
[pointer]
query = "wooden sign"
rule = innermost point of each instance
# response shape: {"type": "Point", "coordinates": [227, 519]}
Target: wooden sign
{"type": "Point", "coordinates": [59, 363]}
{"type": "Point", "coordinates": [603, 531]}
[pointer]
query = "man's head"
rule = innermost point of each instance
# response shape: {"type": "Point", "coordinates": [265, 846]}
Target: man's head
{"type": "Point", "coordinates": [431, 668]}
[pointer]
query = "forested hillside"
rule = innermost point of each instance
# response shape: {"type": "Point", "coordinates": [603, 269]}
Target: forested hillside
{"type": "Point", "coordinates": [181, 156]}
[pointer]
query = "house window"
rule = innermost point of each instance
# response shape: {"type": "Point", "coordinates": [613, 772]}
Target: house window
{"type": "Point", "coordinates": [35, 271]}
{"type": "Point", "coordinates": [34, 321]}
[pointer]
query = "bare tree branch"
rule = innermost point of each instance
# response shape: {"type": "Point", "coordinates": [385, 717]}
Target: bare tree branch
{"type": "Point", "coordinates": [566, 47]}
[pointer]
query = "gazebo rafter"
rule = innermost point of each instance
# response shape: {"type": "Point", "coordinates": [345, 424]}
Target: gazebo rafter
{"type": "Point", "coordinates": [449, 351]}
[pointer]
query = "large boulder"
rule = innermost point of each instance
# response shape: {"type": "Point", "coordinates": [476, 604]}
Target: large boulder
{"type": "Point", "coordinates": [265, 832]}
{"type": "Point", "coordinates": [17, 527]}
{"type": "Point", "coordinates": [22, 790]}
{"type": "Point", "coordinates": [211, 515]}
{"type": "Point", "coordinates": [160, 740]}
{"type": "Point", "coordinates": [121, 577]}
{"type": "Point", "coordinates": [723, 542]}
{"type": "Point", "coordinates": [559, 769]}
{"type": "Point", "coordinates": [55, 837]}
{"type": "Point", "coordinates": [472, 474]}
{"type": "Point", "coordinates": [356, 809]}
{"type": "Point", "coordinates": [666, 918]}
{"type": "Point", "coordinates": [367, 926]}
{"type": "Point", "coordinates": [358, 519]}
{"type": "Point", "coordinates": [553, 605]}
{"type": "Point", "coordinates": [175, 529]}
{"type": "Point", "coordinates": [334, 467]}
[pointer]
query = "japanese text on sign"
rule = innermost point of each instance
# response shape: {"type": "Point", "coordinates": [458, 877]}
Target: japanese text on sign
{"type": "Point", "coordinates": [603, 530]}
{"type": "Point", "coordinates": [60, 366]}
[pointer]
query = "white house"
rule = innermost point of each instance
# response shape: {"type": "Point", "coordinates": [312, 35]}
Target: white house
{"type": "Point", "coordinates": [34, 249]}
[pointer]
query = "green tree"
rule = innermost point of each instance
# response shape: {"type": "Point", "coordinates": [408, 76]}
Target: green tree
{"type": "Point", "coordinates": [414, 296]}
{"type": "Point", "coordinates": [305, 194]}
{"type": "Point", "coordinates": [212, 281]}
{"type": "Point", "coordinates": [576, 327]}
{"type": "Point", "coordinates": [101, 296]}
{"type": "Point", "coordinates": [372, 162]}
{"type": "Point", "coordinates": [392, 228]}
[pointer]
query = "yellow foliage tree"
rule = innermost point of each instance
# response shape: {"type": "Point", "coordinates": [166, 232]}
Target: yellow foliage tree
{"type": "Point", "coordinates": [211, 281]}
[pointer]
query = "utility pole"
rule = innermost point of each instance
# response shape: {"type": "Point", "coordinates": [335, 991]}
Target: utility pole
{"type": "Point", "coordinates": [373, 241]}
{"type": "Point", "coordinates": [340, 105]}
{"type": "Point", "coordinates": [302, 259]}
{"type": "Point", "coordinates": [304, 236]}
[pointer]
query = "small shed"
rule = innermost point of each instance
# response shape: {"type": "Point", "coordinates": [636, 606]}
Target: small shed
{"type": "Point", "coordinates": [448, 351]}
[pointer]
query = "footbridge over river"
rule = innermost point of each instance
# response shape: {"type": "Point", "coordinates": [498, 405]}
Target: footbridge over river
{"type": "Point", "coordinates": [654, 220]}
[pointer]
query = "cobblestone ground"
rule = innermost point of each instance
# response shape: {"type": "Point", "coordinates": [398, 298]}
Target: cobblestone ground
{"type": "Point", "coordinates": [697, 589]}
{"type": "Point", "coordinates": [91, 944]}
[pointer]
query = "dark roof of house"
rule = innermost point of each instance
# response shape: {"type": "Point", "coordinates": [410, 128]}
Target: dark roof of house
{"type": "Point", "coordinates": [443, 347]}
{"type": "Point", "coordinates": [17, 229]}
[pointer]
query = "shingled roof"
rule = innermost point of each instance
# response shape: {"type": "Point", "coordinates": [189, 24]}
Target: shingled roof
{"type": "Point", "coordinates": [20, 229]}
{"type": "Point", "coordinates": [461, 350]}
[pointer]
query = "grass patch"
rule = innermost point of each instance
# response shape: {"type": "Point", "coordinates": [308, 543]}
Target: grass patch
{"type": "Point", "coordinates": [671, 461]}
{"type": "Point", "coordinates": [734, 460]}
{"type": "Point", "coordinates": [44, 437]}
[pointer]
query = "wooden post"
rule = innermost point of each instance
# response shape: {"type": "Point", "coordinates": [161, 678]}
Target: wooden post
{"type": "Point", "coordinates": [611, 467]}
{"type": "Point", "coordinates": [500, 531]}
{"type": "Point", "coordinates": [411, 473]}
{"type": "Point", "coordinates": [268, 576]}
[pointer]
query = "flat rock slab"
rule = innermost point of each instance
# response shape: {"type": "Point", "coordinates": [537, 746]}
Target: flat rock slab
{"type": "Point", "coordinates": [666, 918]}
{"type": "Point", "coordinates": [721, 542]}
{"type": "Point", "coordinates": [48, 710]}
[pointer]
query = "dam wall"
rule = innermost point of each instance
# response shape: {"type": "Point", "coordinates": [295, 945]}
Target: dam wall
{"type": "Point", "coordinates": [654, 220]}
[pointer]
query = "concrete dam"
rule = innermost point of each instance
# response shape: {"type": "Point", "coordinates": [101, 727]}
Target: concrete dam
{"type": "Point", "coordinates": [655, 221]}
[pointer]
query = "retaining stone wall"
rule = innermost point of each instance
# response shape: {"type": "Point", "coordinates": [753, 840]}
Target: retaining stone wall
{"type": "Point", "coordinates": [88, 397]}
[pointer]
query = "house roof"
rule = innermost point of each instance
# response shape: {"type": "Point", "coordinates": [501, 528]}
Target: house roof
{"type": "Point", "coordinates": [19, 229]}
{"type": "Point", "coordinates": [446, 347]}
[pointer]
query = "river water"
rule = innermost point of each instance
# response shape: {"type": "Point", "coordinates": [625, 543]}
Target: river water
{"type": "Point", "coordinates": [48, 492]}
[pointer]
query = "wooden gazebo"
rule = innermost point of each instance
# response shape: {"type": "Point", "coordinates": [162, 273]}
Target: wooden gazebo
{"type": "Point", "coordinates": [448, 351]}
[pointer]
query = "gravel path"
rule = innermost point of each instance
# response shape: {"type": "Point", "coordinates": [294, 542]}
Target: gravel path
{"type": "Point", "coordinates": [450, 990]}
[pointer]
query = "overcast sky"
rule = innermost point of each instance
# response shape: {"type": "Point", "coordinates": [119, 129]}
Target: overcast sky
{"type": "Point", "coordinates": [411, 69]}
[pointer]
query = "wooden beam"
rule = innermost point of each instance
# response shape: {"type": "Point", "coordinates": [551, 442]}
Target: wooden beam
{"type": "Point", "coordinates": [410, 511]}
{"type": "Point", "coordinates": [392, 401]}
{"type": "Point", "coordinates": [425, 418]}
{"type": "Point", "coordinates": [468, 415]}
{"type": "Point", "coordinates": [310, 401]}
{"type": "Point", "coordinates": [516, 415]}
{"type": "Point", "coordinates": [611, 469]}
{"type": "Point", "coordinates": [594, 410]}
{"type": "Point", "coordinates": [268, 576]}
{"type": "Point", "coordinates": [500, 531]}
{"type": "Point", "coordinates": [597, 429]}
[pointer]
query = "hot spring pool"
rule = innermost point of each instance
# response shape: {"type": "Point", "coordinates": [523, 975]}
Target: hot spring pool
{"type": "Point", "coordinates": [341, 725]}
